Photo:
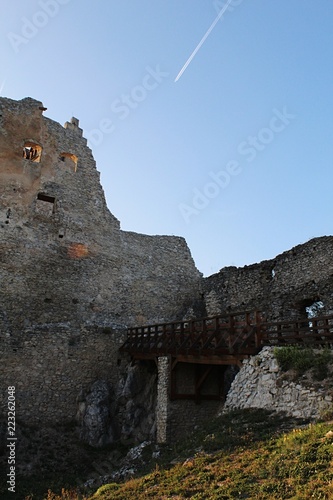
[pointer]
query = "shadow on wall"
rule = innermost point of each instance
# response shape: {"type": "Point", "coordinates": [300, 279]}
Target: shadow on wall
{"type": "Point", "coordinates": [125, 413]}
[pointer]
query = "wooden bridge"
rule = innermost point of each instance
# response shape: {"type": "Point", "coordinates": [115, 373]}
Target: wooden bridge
{"type": "Point", "coordinates": [202, 348]}
{"type": "Point", "coordinates": [218, 339]}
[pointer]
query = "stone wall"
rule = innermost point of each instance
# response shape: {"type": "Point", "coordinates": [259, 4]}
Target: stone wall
{"type": "Point", "coordinates": [261, 384]}
{"type": "Point", "coordinates": [71, 279]}
{"type": "Point", "coordinates": [282, 287]}
{"type": "Point", "coordinates": [51, 366]}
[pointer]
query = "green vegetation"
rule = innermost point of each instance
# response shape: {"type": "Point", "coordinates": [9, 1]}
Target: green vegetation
{"type": "Point", "coordinates": [303, 359]}
{"type": "Point", "coordinates": [248, 454]}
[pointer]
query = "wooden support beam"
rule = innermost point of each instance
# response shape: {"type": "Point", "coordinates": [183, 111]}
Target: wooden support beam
{"type": "Point", "coordinates": [173, 379]}
{"type": "Point", "coordinates": [212, 360]}
{"type": "Point", "coordinates": [174, 363]}
{"type": "Point", "coordinates": [196, 384]}
{"type": "Point", "coordinates": [203, 377]}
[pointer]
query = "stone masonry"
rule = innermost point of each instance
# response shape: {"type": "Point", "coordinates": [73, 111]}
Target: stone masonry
{"type": "Point", "coordinates": [261, 384]}
{"type": "Point", "coordinates": [71, 279]}
{"type": "Point", "coordinates": [281, 288]}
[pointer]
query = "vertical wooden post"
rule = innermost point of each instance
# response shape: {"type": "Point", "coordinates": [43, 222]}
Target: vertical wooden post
{"type": "Point", "coordinates": [196, 384]}
{"type": "Point", "coordinates": [279, 334]}
{"type": "Point", "coordinates": [173, 379]}
{"type": "Point", "coordinates": [231, 332]}
{"type": "Point", "coordinates": [258, 329]}
{"type": "Point", "coordinates": [222, 395]}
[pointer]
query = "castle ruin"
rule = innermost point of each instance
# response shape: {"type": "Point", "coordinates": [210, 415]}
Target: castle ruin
{"type": "Point", "coordinates": [72, 281]}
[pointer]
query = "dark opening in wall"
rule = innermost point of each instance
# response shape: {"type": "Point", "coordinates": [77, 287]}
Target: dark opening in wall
{"type": "Point", "coordinates": [45, 197]}
{"type": "Point", "coordinates": [45, 204]}
{"type": "Point", "coordinates": [32, 151]}
{"type": "Point", "coordinates": [70, 160]}
{"type": "Point", "coordinates": [310, 309]}
{"type": "Point", "coordinates": [314, 309]}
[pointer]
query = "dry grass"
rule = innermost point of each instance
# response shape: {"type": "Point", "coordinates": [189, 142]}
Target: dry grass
{"type": "Point", "coordinates": [244, 454]}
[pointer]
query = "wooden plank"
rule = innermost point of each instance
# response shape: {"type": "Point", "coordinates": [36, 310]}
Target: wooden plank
{"type": "Point", "coordinates": [212, 360]}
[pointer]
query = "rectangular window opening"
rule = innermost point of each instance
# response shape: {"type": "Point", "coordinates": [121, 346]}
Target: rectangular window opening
{"type": "Point", "coordinates": [45, 204]}
{"type": "Point", "coordinates": [44, 197]}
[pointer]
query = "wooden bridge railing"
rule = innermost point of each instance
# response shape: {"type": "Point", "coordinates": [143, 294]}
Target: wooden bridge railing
{"type": "Point", "coordinates": [243, 333]}
{"type": "Point", "coordinates": [311, 332]}
{"type": "Point", "coordinates": [217, 335]}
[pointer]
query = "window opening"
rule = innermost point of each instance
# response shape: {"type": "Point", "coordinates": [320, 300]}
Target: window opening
{"type": "Point", "coordinates": [44, 197]}
{"type": "Point", "coordinates": [70, 160]}
{"type": "Point", "coordinates": [310, 309]}
{"type": "Point", "coordinates": [45, 204]}
{"type": "Point", "coordinates": [32, 151]}
{"type": "Point", "coordinates": [314, 309]}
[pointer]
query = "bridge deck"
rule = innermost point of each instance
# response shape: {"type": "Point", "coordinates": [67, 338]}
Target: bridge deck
{"type": "Point", "coordinates": [223, 339]}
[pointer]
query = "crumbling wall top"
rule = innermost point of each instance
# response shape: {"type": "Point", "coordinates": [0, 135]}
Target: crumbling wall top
{"type": "Point", "coordinates": [282, 286]}
{"type": "Point", "coordinates": [73, 125]}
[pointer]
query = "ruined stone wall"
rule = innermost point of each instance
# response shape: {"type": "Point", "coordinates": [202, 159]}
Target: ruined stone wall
{"type": "Point", "coordinates": [261, 384]}
{"type": "Point", "coordinates": [282, 287]}
{"type": "Point", "coordinates": [67, 271]}
{"type": "Point", "coordinates": [71, 280]}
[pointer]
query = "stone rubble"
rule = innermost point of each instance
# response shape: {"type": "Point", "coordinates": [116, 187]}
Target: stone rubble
{"type": "Point", "coordinates": [261, 384]}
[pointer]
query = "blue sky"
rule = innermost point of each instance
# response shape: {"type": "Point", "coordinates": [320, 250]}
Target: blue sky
{"type": "Point", "coordinates": [236, 156]}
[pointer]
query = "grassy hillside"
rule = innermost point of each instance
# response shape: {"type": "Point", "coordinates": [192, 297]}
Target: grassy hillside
{"type": "Point", "coordinates": [244, 454]}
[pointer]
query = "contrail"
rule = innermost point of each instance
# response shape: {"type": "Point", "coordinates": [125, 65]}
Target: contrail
{"type": "Point", "coordinates": [2, 86]}
{"type": "Point", "coordinates": [203, 39]}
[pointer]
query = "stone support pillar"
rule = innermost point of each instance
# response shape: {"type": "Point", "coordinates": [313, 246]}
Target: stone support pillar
{"type": "Point", "coordinates": [162, 406]}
